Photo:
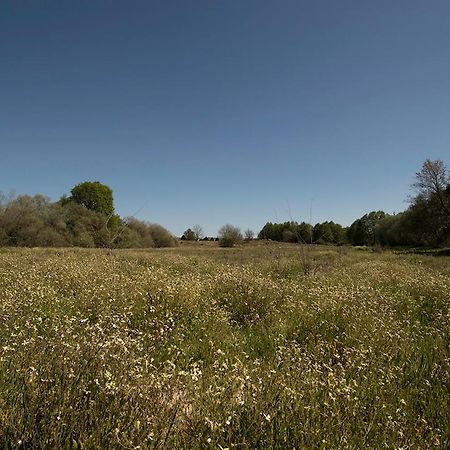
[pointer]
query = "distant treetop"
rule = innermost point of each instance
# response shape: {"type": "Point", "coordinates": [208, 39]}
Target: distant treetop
{"type": "Point", "coordinates": [95, 196]}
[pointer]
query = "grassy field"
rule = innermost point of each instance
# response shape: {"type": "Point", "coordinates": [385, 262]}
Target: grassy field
{"type": "Point", "coordinates": [261, 346]}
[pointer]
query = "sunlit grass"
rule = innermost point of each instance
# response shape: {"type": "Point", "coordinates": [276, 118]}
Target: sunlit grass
{"type": "Point", "coordinates": [201, 347]}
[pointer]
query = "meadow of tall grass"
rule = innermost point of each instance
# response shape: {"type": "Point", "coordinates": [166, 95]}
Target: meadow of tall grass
{"type": "Point", "coordinates": [261, 346]}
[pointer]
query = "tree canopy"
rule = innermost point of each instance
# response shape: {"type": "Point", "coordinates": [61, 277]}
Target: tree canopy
{"type": "Point", "coordinates": [189, 235]}
{"type": "Point", "coordinates": [37, 222]}
{"type": "Point", "coordinates": [95, 196]}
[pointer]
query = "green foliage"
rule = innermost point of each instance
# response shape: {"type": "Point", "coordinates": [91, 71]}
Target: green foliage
{"type": "Point", "coordinates": [327, 233]}
{"type": "Point", "coordinates": [147, 349]}
{"type": "Point", "coordinates": [279, 231]}
{"type": "Point", "coordinates": [161, 237]}
{"type": "Point", "coordinates": [305, 232]}
{"type": "Point", "coordinates": [32, 222]}
{"type": "Point", "coordinates": [362, 231]}
{"type": "Point", "coordinates": [37, 222]}
{"type": "Point", "coordinates": [95, 196]}
{"type": "Point", "coordinates": [189, 235]}
{"type": "Point", "coordinates": [425, 223]}
{"type": "Point", "coordinates": [140, 234]}
{"type": "Point", "coordinates": [87, 219]}
{"type": "Point", "coordinates": [322, 233]}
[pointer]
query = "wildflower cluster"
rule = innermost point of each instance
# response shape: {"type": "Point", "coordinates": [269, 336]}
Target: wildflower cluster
{"type": "Point", "coordinates": [223, 348]}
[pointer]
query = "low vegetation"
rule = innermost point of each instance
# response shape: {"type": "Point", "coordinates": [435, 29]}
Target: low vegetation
{"type": "Point", "coordinates": [229, 236]}
{"type": "Point", "coordinates": [85, 219]}
{"type": "Point", "coordinates": [260, 346]}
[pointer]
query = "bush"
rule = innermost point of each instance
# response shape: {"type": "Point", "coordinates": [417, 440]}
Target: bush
{"type": "Point", "coordinates": [161, 237]}
{"type": "Point", "coordinates": [149, 234]}
{"type": "Point", "coordinates": [37, 222]}
{"type": "Point", "coordinates": [140, 234]}
{"type": "Point", "coordinates": [229, 235]}
{"type": "Point", "coordinates": [32, 222]}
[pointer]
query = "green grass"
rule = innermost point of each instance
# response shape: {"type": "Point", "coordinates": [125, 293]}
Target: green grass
{"type": "Point", "coordinates": [261, 346]}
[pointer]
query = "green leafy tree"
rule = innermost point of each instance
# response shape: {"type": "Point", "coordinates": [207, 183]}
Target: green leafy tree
{"type": "Point", "coordinates": [95, 196]}
{"type": "Point", "coordinates": [323, 233]}
{"type": "Point", "coordinates": [305, 232]}
{"type": "Point", "coordinates": [287, 231]}
{"type": "Point", "coordinates": [363, 231]}
{"type": "Point", "coordinates": [38, 222]}
{"type": "Point", "coordinates": [189, 235]}
{"type": "Point", "coordinates": [339, 233]}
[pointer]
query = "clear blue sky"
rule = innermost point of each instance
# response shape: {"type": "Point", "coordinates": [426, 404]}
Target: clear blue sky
{"type": "Point", "coordinates": [225, 111]}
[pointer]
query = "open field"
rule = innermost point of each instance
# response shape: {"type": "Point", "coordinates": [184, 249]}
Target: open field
{"type": "Point", "coordinates": [262, 346]}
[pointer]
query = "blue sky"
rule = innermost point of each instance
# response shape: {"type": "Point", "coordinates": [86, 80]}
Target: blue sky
{"type": "Point", "coordinates": [221, 111]}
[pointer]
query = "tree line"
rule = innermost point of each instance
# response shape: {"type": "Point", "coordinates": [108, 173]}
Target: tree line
{"type": "Point", "coordinates": [425, 223]}
{"type": "Point", "coordinates": [86, 218]}
{"type": "Point", "coordinates": [321, 233]}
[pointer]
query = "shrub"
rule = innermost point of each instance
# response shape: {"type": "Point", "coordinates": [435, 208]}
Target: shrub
{"type": "Point", "coordinates": [148, 235]}
{"type": "Point", "coordinates": [140, 233]}
{"type": "Point", "coordinates": [37, 222]}
{"type": "Point", "coordinates": [161, 237]}
{"type": "Point", "coordinates": [229, 235]}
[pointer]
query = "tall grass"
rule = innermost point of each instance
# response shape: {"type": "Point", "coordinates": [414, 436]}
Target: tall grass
{"type": "Point", "coordinates": [224, 348]}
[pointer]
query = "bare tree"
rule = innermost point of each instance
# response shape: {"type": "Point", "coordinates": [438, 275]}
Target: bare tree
{"type": "Point", "coordinates": [229, 235]}
{"type": "Point", "coordinates": [249, 234]}
{"type": "Point", "coordinates": [198, 232]}
{"type": "Point", "coordinates": [432, 182]}
{"type": "Point", "coordinates": [5, 199]}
